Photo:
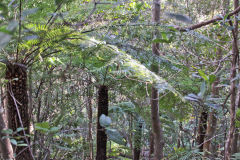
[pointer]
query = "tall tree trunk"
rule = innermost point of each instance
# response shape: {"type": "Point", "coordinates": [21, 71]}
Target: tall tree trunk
{"type": "Point", "coordinates": [202, 126]}
{"type": "Point", "coordinates": [17, 104]}
{"type": "Point", "coordinates": [101, 135]}
{"type": "Point", "coordinates": [137, 141]}
{"type": "Point", "coordinates": [89, 109]}
{"type": "Point", "coordinates": [236, 134]}
{"type": "Point", "coordinates": [156, 124]}
{"type": "Point", "coordinates": [5, 144]}
{"type": "Point", "coordinates": [235, 51]}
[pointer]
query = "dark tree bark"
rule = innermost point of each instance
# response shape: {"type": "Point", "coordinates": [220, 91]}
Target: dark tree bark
{"type": "Point", "coordinates": [137, 141]}
{"type": "Point", "coordinates": [202, 126]}
{"type": "Point", "coordinates": [101, 135]}
{"type": "Point", "coordinates": [235, 51]}
{"type": "Point", "coordinates": [151, 144]}
{"type": "Point", "coordinates": [17, 104]}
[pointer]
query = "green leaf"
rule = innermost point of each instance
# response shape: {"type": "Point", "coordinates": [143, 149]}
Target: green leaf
{"type": "Point", "coordinates": [202, 90]}
{"type": "Point", "coordinates": [13, 141]}
{"type": "Point", "coordinates": [54, 129]}
{"type": "Point", "coordinates": [203, 75]}
{"type": "Point", "coordinates": [20, 129]}
{"type": "Point", "coordinates": [4, 39]}
{"type": "Point", "coordinates": [7, 131]}
{"type": "Point", "coordinates": [115, 136]}
{"type": "Point", "coordinates": [159, 40]}
{"type": "Point", "coordinates": [211, 78]}
{"type": "Point", "coordinates": [67, 140]}
{"type": "Point", "coordinates": [236, 156]}
{"type": "Point", "coordinates": [139, 6]}
{"type": "Point", "coordinates": [4, 137]}
{"type": "Point", "coordinates": [12, 25]}
{"type": "Point", "coordinates": [105, 121]}
{"type": "Point", "coordinates": [23, 145]}
{"type": "Point", "coordinates": [193, 97]}
{"type": "Point", "coordinates": [44, 126]}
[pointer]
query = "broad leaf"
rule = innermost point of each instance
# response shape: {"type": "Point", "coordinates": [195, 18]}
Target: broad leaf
{"type": "Point", "coordinates": [105, 121]}
{"type": "Point", "coordinates": [115, 136]}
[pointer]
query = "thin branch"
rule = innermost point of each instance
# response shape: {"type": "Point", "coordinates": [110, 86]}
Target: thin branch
{"type": "Point", "coordinates": [225, 101]}
{"type": "Point", "coordinates": [54, 14]}
{"type": "Point", "coordinates": [44, 56]}
{"type": "Point", "coordinates": [207, 22]}
{"type": "Point", "coordinates": [89, 16]}
{"type": "Point", "coordinates": [181, 29]}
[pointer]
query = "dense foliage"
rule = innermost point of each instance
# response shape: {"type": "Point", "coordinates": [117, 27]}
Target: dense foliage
{"type": "Point", "coordinates": [70, 48]}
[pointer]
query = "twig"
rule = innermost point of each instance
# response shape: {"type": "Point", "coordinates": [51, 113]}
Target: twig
{"type": "Point", "coordinates": [54, 14]}
{"type": "Point", "coordinates": [89, 16]}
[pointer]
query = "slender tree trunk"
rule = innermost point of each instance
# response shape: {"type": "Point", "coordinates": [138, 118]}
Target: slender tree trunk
{"type": "Point", "coordinates": [137, 141]}
{"type": "Point", "coordinates": [157, 130]}
{"type": "Point", "coordinates": [211, 127]}
{"type": "Point", "coordinates": [17, 104]}
{"type": "Point", "coordinates": [235, 51]}
{"type": "Point", "coordinates": [212, 123]}
{"type": "Point", "coordinates": [236, 134]}
{"type": "Point", "coordinates": [5, 144]}
{"type": "Point", "coordinates": [202, 126]}
{"type": "Point", "coordinates": [89, 109]}
{"type": "Point", "coordinates": [156, 124]}
{"type": "Point", "coordinates": [101, 135]}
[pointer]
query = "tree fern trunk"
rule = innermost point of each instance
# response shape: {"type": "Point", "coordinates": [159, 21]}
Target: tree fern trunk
{"type": "Point", "coordinates": [101, 135]}
{"type": "Point", "coordinates": [17, 104]}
